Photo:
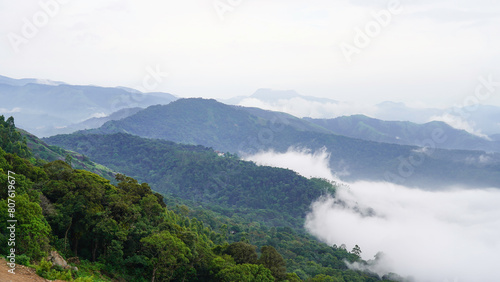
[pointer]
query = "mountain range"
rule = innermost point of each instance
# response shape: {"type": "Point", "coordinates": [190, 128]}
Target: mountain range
{"type": "Point", "coordinates": [247, 131]}
{"type": "Point", "coordinates": [405, 132]}
{"type": "Point", "coordinates": [479, 119]}
{"type": "Point", "coordinates": [360, 147]}
{"type": "Point", "coordinates": [46, 108]}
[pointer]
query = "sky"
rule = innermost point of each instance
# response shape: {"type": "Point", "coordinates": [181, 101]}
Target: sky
{"type": "Point", "coordinates": [418, 52]}
{"type": "Point", "coordinates": [432, 236]}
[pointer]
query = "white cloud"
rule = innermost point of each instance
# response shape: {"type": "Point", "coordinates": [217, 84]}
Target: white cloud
{"type": "Point", "coordinates": [432, 236]}
{"type": "Point", "coordinates": [7, 111]}
{"type": "Point", "coordinates": [47, 82]}
{"type": "Point", "coordinates": [301, 107]}
{"type": "Point", "coordinates": [459, 123]}
{"type": "Point", "coordinates": [481, 160]}
{"type": "Point", "coordinates": [303, 161]}
{"type": "Point", "coordinates": [484, 159]}
{"type": "Point", "coordinates": [98, 115]}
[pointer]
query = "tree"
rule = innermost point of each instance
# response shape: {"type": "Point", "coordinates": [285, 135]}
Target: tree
{"type": "Point", "coordinates": [166, 253]}
{"type": "Point", "coordinates": [68, 159]}
{"type": "Point", "coordinates": [356, 251]}
{"type": "Point", "coordinates": [11, 140]}
{"type": "Point", "coordinates": [32, 229]}
{"type": "Point", "coordinates": [242, 252]}
{"type": "Point", "coordinates": [245, 272]}
{"type": "Point", "coordinates": [272, 260]}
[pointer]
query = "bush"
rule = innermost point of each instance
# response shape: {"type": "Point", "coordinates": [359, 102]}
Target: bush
{"type": "Point", "coordinates": [46, 270]}
{"type": "Point", "coordinates": [23, 259]}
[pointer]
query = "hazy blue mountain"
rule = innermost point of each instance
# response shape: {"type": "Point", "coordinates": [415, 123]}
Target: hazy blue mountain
{"type": "Point", "coordinates": [242, 130]}
{"type": "Point", "coordinates": [24, 81]}
{"type": "Point", "coordinates": [43, 109]}
{"type": "Point", "coordinates": [483, 118]}
{"type": "Point", "coordinates": [404, 132]}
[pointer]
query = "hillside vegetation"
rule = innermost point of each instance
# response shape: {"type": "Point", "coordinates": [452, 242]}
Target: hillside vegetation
{"type": "Point", "coordinates": [126, 232]}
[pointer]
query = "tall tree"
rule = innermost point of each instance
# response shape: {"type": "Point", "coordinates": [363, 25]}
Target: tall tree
{"type": "Point", "coordinates": [166, 253]}
{"type": "Point", "coordinates": [242, 252]}
{"type": "Point", "coordinates": [271, 259]}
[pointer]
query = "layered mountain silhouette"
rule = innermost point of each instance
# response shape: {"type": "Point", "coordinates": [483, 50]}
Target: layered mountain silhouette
{"type": "Point", "coordinates": [248, 130]}
{"type": "Point", "coordinates": [45, 107]}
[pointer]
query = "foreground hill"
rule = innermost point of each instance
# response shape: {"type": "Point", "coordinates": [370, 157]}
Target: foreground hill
{"type": "Point", "coordinates": [247, 131]}
{"type": "Point", "coordinates": [124, 232]}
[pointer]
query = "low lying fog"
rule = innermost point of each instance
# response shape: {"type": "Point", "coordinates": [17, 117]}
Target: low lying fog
{"type": "Point", "coordinates": [450, 235]}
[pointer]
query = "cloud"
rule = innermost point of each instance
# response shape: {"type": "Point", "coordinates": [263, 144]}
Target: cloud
{"type": "Point", "coordinates": [98, 115]}
{"type": "Point", "coordinates": [303, 161]}
{"type": "Point", "coordinates": [7, 111]}
{"type": "Point", "coordinates": [301, 107]}
{"type": "Point", "coordinates": [483, 159]}
{"type": "Point", "coordinates": [47, 82]}
{"type": "Point", "coordinates": [431, 236]}
{"type": "Point", "coordinates": [459, 123]}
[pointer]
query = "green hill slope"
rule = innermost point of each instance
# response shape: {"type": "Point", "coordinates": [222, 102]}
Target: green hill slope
{"type": "Point", "coordinates": [277, 196]}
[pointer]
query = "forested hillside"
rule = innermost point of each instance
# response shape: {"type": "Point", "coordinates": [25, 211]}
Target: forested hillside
{"type": "Point", "coordinates": [125, 232]}
{"type": "Point", "coordinates": [199, 174]}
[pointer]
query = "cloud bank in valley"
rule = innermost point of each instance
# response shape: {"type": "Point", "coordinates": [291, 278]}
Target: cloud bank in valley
{"type": "Point", "coordinates": [432, 236]}
{"type": "Point", "coordinates": [449, 235]}
{"type": "Point", "coordinates": [303, 161]}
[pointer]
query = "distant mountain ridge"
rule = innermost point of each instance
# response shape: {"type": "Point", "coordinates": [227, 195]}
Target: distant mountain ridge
{"type": "Point", "coordinates": [484, 119]}
{"type": "Point", "coordinates": [405, 132]}
{"type": "Point", "coordinates": [45, 107]}
{"type": "Point", "coordinates": [24, 81]}
{"type": "Point", "coordinates": [248, 131]}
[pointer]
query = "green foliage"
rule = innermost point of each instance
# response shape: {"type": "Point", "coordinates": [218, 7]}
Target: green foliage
{"type": "Point", "coordinates": [275, 196]}
{"type": "Point", "coordinates": [32, 229]}
{"type": "Point", "coordinates": [245, 272]}
{"type": "Point", "coordinates": [11, 140]}
{"type": "Point", "coordinates": [23, 259]}
{"type": "Point", "coordinates": [272, 260]}
{"type": "Point", "coordinates": [48, 271]}
{"type": "Point", "coordinates": [166, 254]}
{"type": "Point", "coordinates": [242, 253]}
{"type": "Point", "coordinates": [43, 153]}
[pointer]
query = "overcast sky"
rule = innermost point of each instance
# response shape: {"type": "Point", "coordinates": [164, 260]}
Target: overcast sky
{"type": "Point", "coordinates": [426, 52]}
